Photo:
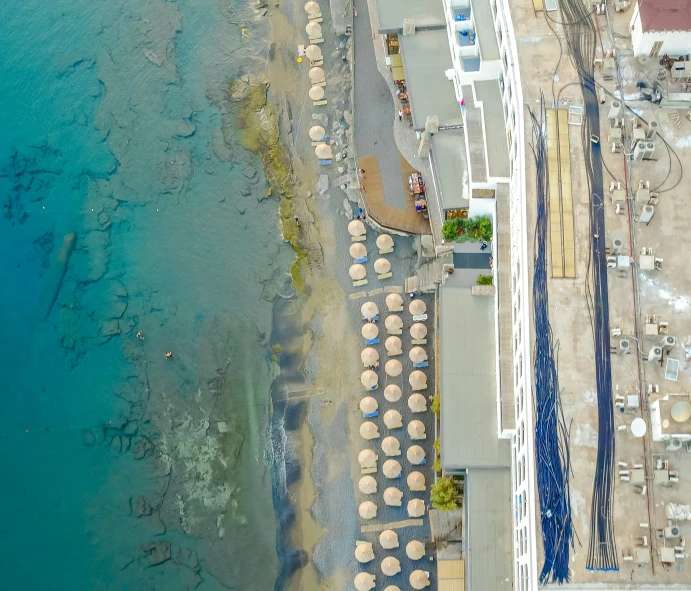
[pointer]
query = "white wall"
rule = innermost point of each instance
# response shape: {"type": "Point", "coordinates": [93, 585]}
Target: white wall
{"type": "Point", "coordinates": [674, 43]}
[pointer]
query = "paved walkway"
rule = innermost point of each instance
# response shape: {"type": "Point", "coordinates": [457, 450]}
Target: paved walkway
{"type": "Point", "coordinates": [375, 113]}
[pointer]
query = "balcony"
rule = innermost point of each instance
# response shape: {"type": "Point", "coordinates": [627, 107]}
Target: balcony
{"type": "Point", "coordinates": [470, 64]}
{"type": "Point", "coordinates": [462, 19]}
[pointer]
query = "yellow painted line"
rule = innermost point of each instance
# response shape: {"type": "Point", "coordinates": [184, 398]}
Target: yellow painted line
{"type": "Point", "coordinates": [568, 242]}
{"type": "Point", "coordinates": [557, 258]}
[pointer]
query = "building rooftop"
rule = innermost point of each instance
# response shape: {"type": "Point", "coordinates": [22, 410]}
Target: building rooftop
{"type": "Point", "coordinates": [488, 93]}
{"type": "Point", "coordinates": [484, 27]}
{"type": "Point", "coordinates": [665, 15]}
{"type": "Point", "coordinates": [427, 14]}
{"type": "Point", "coordinates": [449, 161]}
{"type": "Point", "coordinates": [426, 57]}
{"type": "Point", "coordinates": [489, 559]}
{"type": "Point", "coordinates": [468, 382]}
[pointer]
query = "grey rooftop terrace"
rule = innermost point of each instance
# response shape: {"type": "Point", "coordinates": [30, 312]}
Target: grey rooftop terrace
{"type": "Point", "coordinates": [451, 168]}
{"type": "Point", "coordinates": [488, 93]}
{"type": "Point", "coordinates": [428, 14]}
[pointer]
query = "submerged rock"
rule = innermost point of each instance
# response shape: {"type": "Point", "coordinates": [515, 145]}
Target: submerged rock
{"type": "Point", "coordinates": [156, 553]}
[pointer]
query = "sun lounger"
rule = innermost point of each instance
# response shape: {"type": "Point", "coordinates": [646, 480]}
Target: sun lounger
{"type": "Point", "coordinates": [354, 238]}
{"type": "Point", "coordinates": [325, 162]}
{"type": "Point", "coordinates": [386, 251]}
{"type": "Point", "coordinates": [371, 414]}
{"type": "Point", "coordinates": [421, 364]}
{"type": "Point", "coordinates": [315, 18]}
{"type": "Point", "coordinates": [319, 143]}
{"type": "Point", "coordinates": [374, 319]}
{"type": "Point", "coordinates": [420, 318]}
{"type": "Point", "coordinates": [394, 353]}
{"type": "Point", "coordinates": [362, 260]}
{"type": "Point", "coordinates": [360, 282]}
{"type": "Point", "coordinates": [316, 63]}
{"type": "Point", "coordinates": [384, 276]}
{"type": "Point", "coordinates": [423, 462]}
{"type": "Point", "coordinates": [316, 40]}
{"type": "Point", "coordinates": [419, 341]}
{"type": "Point", "coordinates": [372, 342]}
{"type": "Point", "coordinates": [372, 470]}
{"type": "Point", "coordinates": [322, 82]}
{"type": "Point", "coordinates": [399, 331]}
{"type": "Point", "coordinates": [319, 103]}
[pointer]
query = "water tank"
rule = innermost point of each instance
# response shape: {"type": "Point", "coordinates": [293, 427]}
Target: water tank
{"type": "Point", "coordinates": [655, 354]}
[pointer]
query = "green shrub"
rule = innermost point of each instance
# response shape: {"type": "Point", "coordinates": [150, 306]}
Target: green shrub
{"type": "Point", "coordinates": [467, 229]}
{"type": "Point", "coordinates": [437, 446]}
{"type": "Point", "coordinates": [485, 280]}
{"type": "Point", "coordinates": [436, 466]}
{"type": "Point", "coordinates": [436, 404]}
{"type": "Point", "coordinates": [443, 494]}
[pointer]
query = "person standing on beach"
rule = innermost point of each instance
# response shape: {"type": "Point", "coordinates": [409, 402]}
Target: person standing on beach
{"type": "Point", "coordinates": [400, 115]}
{"type": "Point", "coordinates": [297, 221]}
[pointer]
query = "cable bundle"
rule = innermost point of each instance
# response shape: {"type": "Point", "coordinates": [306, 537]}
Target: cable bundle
{"type": "Point", "coordinates": [581, 39]}
{"type": "Point", "coordinates": [551, 435]}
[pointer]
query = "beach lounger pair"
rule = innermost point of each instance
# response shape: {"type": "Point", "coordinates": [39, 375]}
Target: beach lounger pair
{"type": "Point", "coordinates": [421, 364]}
{"type": "Point", "coordinates": [359, 282]}
{"type": "Point", "coordinates": [419, 341]}
{"type": "Point", "coordinates": [354, 238]}
{"type": "Point", "coordinates": [325, 163]}
{"type": "Point", "coordinates": [319, 103]}
{"type": "Point", "coordinates": [420, 318]}
{"type": "Point", "coordinates": [399, 331]}
{"type": "Point", "coordinates": [374, 319]}
{"type": "Point", "coordinates": [384, 276]}
{"type": "Point", "coordinates": [363, 260]}
{"type": "Point", "coordinates": [394, 353]}
{"type": "Point", "coordinates": [372, 470]}
{"type": "Point", "coordinates": [371, 414]}
{"type": "Point", "coordinates": [372, 342]}
{"type": "Point", "coordinates": [386, 251]}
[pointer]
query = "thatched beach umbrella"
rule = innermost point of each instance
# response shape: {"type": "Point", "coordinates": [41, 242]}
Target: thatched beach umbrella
{"type": "Point", "coordinates": [357, 250]}
{"type": "Point", "coordinates": [384, 242]}
{"type": "Point", "coordinates": [417, 380]}
{"type": "Point", "coordinates": [313, 29]}
{"type": "Point", "coordinates": [364, 582]}
{"type": "Point", "coordinates": [323, 152]}
{"type": "Point", "coordinates": [393, 496]}
{"type": "Point", "coordinates": [417, 307]}
{"type": "Point", "coordinates": [356, 227]}
{"type": "Point", "coordinates": [367, 510]}
{"type": "Point", "coordinates": [416, 429]}
{"type": "Point", "coordinates": [369, 356]}
{"type": "Point", "coordinates": [417, 355]}
{"type": "Point", "coordinates": [316, 74]}
{"type": "Point", "coordinates": [393, 344]}
{"type": "Point", "coordinates": [415, 549]}
{"type": "Point", "coordinates": [419, 579]}
{"type": "Point", "coordinates": [313, 52]}
{"type": "Point", "coordinates": [367, 458]}
{"type": "Point", "coordinates": [392, 393]}
{"type": "Point", "coordinates": [416, 508]}
{"type": "Point", "coordinates": [390, 566]}
{"type": "Point", "coordinates": [368, 430]}
{"type": "Point", "coordinates": [390, 446]}
{"type": "Point", "coordinates": [317, 93]}
{"type": "Point", "coordinates": [368, 405]}
{"type": "Point", "coordinates": [370, 331]}
{"type": "Point", "coordinates": [369, 310]}
{"type": "Point", "coordinates": [312, 8]}
{"type": "Point", "coordinates": [393, 368]}
{"type": "Point", "coordinates": [392, 588]}
{"type": "Point", "coordinates": [364, 552]}
{"type": "Point", "coordinates": [417, 403]}
{"type": "Point", "coordinates": [418, 331]}
{"type": "Point", "coordinates": [317, 133]}
{"type": "Point", "coordinates": [388, 539]}
{"type": "Point", "coordinates": [369, 379]}
{"type": "Point", "coordinates": [393, 322]}
{"type": "Point", "coordinates": [392, 419]}
{"type": "Point", "coordinates": [391, 469]}
{"type": "Point", "coordinates": [416, 481]}
{"type": "Point", "coordinates": [357, 272]}
{"type": "Point", "coordinates": [382, 266]}
{"type": "Point", "coordinates": [367, 485]}
{"type": "Point", "coordinates": [394, 301]}
{"type": "Point", "coordinates": [415, 455]}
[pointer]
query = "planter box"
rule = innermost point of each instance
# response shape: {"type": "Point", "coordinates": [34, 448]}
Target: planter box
{"type": "Point", "coordinates": [484, 290]}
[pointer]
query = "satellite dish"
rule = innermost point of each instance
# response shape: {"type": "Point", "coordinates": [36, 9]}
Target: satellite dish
{"type": "Point", "coordinates": [638, 427]}
{"type": "Point", "coordinates": [681, 411]}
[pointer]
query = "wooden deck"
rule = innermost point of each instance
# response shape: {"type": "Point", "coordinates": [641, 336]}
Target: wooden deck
{"type": "Point", "coordinates": [407, 220]}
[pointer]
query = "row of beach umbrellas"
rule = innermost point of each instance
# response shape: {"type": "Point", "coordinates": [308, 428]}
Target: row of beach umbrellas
{"type": "Point", "coordinates": [365, 581]}
{"type": "Point", "coordinates": [371, 331]}
{"type": "Point", "coordinates": [370, 380]}
{"type": "Point", "coordinates": [416, 402]}
{"type": "Point", "coordinates": [393, 300]}
{"type": "Point", "coordinates": [364, 552]}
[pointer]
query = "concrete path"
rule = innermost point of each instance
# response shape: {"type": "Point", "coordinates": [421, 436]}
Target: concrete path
{"type": "Point", "coordinates": [374, 112]}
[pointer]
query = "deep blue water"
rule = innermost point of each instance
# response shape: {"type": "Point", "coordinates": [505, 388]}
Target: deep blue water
{"type": "Point", "coordinates": [111, 117]}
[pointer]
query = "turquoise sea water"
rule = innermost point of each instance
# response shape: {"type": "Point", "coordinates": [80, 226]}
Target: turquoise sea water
{"type": "Point", "coordinates": [119, 468]}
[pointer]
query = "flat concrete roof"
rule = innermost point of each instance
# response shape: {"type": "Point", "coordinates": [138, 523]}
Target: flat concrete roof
{"type": "Point", "coordinates": [484, 27]}
{"type": "Point", "coordinates": [468, 382]}
{"type": "Point", "coordinates": [426, 56]}
{"type": "Point", "coordinates": [426, 14]}
{"type": "Point", "coordinates": [488, 93]}
{"type": "Point", "coordinates": [489, 557]}
{"type": "Point", "coordinates": [449, 160]}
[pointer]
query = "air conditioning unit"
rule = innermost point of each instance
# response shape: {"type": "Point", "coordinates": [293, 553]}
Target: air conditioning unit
{"type": "Point", "coordinates": [671, 531]}
{"type": "Point", "coordinates": [624, 347]}
{"type": "Point", "coordinates": [674, 445]}
{"type": "Point", "coordinates": [655, 354]}
{"type": "Point", "coordinates": [614, 110]}
{"type": "Point", "coordinates": [649, 148]}
{"type": "Point", "coordinates": [617, 245]}
{"type": "Point", "coordinates": [647, 214]}
{"type": "Point", "coordinates": [639, 150]}
{"type": "Point", "coordinates": [668, 344]}
{"type": "Point", "coordinates": [652, 130]}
